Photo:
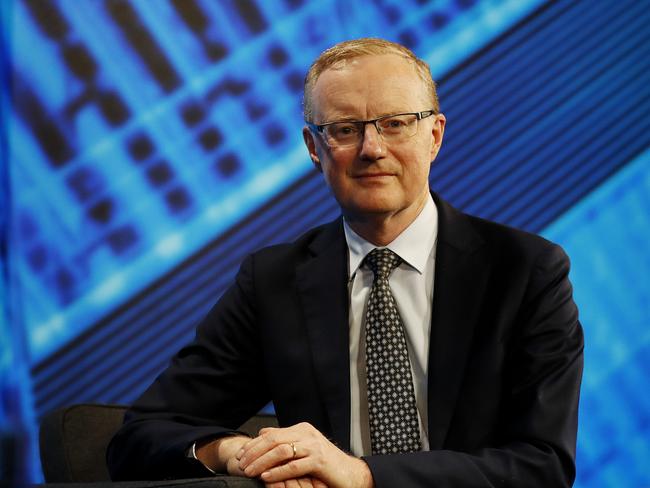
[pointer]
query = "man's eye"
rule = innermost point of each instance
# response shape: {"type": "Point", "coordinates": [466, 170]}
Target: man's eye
{"type": "Point", "coordinates": [345, 130]}
{"type": "Point", "coordinates": [393, 123]}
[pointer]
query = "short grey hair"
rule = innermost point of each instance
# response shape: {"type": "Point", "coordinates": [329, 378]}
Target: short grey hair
{"type": "Point", "coordinates": [355, 48]}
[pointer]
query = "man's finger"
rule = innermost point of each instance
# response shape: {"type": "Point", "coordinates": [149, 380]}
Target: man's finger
{"type": "Point", "coordinates": [305, 483]}
{"type": "Point", "coordinates": [277, 484]}
{"type": "Point", "coordinates": [255, 448]}
{"type": "Point", "coordinates": [291, 470]}
{"type": "Point", "coordinates": [233, 469]}
{"type": "Point", "coordinates": [279, 454]}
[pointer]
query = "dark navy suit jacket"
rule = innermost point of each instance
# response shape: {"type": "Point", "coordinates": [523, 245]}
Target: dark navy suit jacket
{"type": "Point", "coordinates": [505, 362]}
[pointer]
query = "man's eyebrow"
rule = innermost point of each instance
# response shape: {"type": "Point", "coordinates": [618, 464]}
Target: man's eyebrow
{"type": "Point", "coordinates": [349, 118]}
{"type": "Point", "coordinates": [342, 118]}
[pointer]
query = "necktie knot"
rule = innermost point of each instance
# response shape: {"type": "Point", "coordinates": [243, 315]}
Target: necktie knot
{"type": "Point", "coordinates": [382, 262]}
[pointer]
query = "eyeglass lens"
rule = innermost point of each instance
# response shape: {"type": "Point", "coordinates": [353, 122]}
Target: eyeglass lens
{"type": "Point", "coordinates": [392, 128]}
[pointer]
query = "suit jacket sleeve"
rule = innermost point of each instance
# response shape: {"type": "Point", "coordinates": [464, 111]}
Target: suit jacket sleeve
{"type": "Point", "coordinates": [522, 434]}
{"type": "Point", "coordinates": [212, 386]}
{"type": "Point", "coordinates": [533, 443]}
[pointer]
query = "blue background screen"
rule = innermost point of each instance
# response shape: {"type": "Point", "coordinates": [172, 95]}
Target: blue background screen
{"type": "Point", "coordinates": [147, 147]}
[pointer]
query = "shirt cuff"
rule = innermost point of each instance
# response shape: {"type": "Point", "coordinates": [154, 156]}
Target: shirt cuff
{"type": "Point", "coordinates": [191, 453]}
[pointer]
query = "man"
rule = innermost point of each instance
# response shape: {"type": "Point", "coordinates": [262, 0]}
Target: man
{"type": "Point", "coordinates": [453, 358]}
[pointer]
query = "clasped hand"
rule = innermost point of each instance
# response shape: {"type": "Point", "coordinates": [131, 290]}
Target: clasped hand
{"type": "Point", "coordinates": [296, 457]}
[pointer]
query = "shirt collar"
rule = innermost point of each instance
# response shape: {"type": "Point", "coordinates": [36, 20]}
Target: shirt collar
{"type": "Point", "coordinates": [413, 245]}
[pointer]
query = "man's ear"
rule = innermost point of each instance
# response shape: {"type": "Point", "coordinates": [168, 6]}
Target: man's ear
{"type": "Point", "coordinates": [308, 137]}
{"type": "Point", "coordinates": [437, 131]}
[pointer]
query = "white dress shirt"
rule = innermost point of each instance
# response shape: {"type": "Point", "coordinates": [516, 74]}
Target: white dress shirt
{"type": "Point", "coordinates": [412, 286]}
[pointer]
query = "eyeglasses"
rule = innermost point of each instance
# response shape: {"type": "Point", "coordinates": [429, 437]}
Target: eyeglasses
{"type": "Point", "coordinates": [392, 128]}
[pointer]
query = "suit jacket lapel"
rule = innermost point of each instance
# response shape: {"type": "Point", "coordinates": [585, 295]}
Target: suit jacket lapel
{"type": "Point", "coordinates": [460, 278]}
{"type": "Point", "coordinates": [323, 292]}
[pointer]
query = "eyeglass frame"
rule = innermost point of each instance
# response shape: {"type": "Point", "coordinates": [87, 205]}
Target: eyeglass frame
{"type": "Point", "coordinates": [418, 116]}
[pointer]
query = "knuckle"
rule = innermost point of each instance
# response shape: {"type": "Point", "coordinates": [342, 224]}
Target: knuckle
{"type": "Point", "coordinates": [286, 450]}
{"type": "Point", "coordinates": [271, 437]}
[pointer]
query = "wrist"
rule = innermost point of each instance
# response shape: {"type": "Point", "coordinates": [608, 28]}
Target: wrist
{"type": "Point", "coordinates": [191, 453]}
{"type": "Point", "coordinates": [214, 454]}
{"type": "Point", "coordinates": [363, 474]}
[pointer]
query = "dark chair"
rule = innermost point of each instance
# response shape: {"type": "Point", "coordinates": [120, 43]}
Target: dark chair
{"type": "Point", "coordinates": [73, 440]}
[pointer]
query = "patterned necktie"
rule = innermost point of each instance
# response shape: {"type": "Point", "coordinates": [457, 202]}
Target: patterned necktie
{"type": "Point", "coordinates": [391, 399]}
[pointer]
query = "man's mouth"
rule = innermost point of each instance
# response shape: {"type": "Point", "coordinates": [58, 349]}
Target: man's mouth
{"type": "Point", "coordinates": [377, 174]}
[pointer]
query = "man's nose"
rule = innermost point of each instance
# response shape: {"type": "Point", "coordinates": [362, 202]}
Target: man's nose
{"type": "Point", "coordinates": [372, 145]}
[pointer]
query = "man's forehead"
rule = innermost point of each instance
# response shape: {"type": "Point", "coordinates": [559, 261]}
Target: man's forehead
{"type": "Point", "coordinates": [387, 82]}
{"type": "Point", "coordinates": [368, 71]}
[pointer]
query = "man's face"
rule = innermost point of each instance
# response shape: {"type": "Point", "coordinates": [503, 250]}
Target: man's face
{"type": "Point", "coordinates": [375, 179]}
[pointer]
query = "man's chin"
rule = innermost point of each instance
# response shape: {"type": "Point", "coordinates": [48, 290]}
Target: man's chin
{"type": "Point", "coordinates": [365, 209]}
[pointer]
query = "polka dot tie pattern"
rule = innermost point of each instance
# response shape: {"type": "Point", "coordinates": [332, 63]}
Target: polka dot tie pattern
{"type": "Point", "coordinates": [391, 398]}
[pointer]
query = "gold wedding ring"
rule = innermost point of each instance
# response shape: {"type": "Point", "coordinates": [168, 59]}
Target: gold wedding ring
{"type": "Point", "coordinates": [293, 447]}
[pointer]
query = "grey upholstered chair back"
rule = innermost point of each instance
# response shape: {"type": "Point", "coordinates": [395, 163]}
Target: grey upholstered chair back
{"type": "Point", "coordinates": [73, 440]}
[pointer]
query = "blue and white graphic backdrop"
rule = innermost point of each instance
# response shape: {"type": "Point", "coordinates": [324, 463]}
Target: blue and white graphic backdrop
{"type": "Point", "coordinates": [147, 146]}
